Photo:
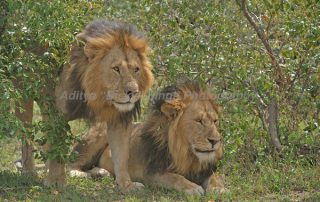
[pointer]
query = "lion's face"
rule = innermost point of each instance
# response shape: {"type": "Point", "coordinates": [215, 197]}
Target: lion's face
{"type": "Point", "coordinates": [122, 71]}
{"type": "Point", "coordinates": [118, 72]}
{"type": "Point", "coordinates": [198, 124]}
{"type": "Point", "coordinates": [193, 129]}
{"type": "Point", "coordinates": [183, 129]}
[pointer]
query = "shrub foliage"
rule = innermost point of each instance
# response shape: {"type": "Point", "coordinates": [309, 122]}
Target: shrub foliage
{"type": "Point", "coordinates": [270, 63]}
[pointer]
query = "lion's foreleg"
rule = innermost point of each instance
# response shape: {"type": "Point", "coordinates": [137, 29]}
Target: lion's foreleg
{"type": "Point", "coordinates": [57, 173]}
{"type": "Point", "coordinates": [118, 137]}
{"type": "Point", "coordinates": [93, 144]}
{"type": "Point", "coordinates": [175, 181]}
{"type": "Point", "coordinates": [27, 148]}
{"type": "Point", "coordinates": [54, 122]}
{"type": "Point", "coordinates": [215, 183]}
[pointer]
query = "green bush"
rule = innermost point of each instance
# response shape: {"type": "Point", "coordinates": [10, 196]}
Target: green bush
{"type": "Point", "coordinates": [210, 41]}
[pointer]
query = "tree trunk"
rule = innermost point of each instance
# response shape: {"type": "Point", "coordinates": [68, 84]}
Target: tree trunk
{"type": "Point", "coordinates": [272, 121]}
{"type": "Point", "coordinates": [3, 16]}
{"type": "Point", "coordinates": [26, 147]}
{"type": "Point", "coordinates": [272, 110]}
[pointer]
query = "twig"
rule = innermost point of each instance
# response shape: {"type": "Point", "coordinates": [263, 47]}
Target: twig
{"type": "Point", "coordinates": [272, 107]}
{"type": "Point", "coordinates": [280, 80]}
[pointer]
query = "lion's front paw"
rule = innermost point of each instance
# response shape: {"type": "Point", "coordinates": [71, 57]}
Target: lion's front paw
{"type": "Point", "coordinates": [195, 190]}
{"type": "Point", "coordinates": [131, 187]}
{"type": "Point", "coordinates": [99, 172]}
{"type": "Point", "coordinates": [104, 173]}
{"type": "Point", "coordinates": [220, 190]}
{"type": "Point", "coordinates": [57, 174]}
{"type": "Point", "coordinates": [79, 173]}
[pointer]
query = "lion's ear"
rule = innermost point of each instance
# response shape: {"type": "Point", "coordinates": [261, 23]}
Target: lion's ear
{"type": "Point", "coordinates": [171, 108]}
{"type": "Point", "coordinates": [95, 46]}
{"type": "Point", "coordinates": [82, 36]}
{"type": "Point", "coordinates": [86, 39]}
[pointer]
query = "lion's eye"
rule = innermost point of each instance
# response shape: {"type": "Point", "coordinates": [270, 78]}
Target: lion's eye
{"type": "Point", "coordinates": [199, 121]}
{"type": "Point", "coordinates": [215, 121]}
{"type": "Point", "coordinates": [116, 69]}
{"type": "Point", "coordinates": [136, 69]}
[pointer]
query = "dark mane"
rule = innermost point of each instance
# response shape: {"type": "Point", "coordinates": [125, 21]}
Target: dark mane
{"type": "Point", "coordinates": [73, 73]}
{"type": "Point", "coordinates": [154, 134]}
{"type": "Point", "coordinates": [101, 28]}
{"type": "Point", "coordinates": [200, 177]}
{"type": "Point", "coordinates": [77, 108]}
{"type": "Point", "coordinates": [157, 154]}
{"type": "Point", "coordinates": [172, 91]}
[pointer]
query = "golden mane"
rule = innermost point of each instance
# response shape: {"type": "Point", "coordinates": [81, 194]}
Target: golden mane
{"type": "Point", "coordinates": [167, 151]}
{"type": "Point", "coordinates": [98, 38]}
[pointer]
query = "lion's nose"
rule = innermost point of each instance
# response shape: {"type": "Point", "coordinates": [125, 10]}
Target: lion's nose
{"type": "Point", "coordinates": [131, 93]}
{"type": "Point", "coordinates": [131, 89]}
{"type": "Point", "coordinates": [213, 141]}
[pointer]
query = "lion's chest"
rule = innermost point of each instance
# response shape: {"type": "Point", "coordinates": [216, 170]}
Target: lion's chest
{"type": "Point", "coordinates": [201, 176]}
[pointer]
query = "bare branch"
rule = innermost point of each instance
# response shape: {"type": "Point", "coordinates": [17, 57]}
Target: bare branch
{"type": "Point", "coordinates": [280, 80]}
{"type": "Point", "coordinates": [269, 25]}
{"type": "Point", "coordinates": [272, 110]}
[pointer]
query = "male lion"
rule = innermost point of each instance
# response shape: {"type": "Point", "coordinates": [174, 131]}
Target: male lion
{"type": "Point", "coordinates": [178, 146]}
{"type": "Point", "coordinates": [108, 72]}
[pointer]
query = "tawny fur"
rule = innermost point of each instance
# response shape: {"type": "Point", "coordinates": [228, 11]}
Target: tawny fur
{"type": "Point", "coordinates": [108, 72]}
{"type": "Point", "coordinates": [182, 161]}
{"type": "Point", "coordinates": [161, 150]}
{"type": "Point", "coordinates": [82, 73]}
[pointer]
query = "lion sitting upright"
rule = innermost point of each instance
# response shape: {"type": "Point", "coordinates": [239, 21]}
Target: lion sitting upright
{"type": "Point", "coordinates": [108, 72]}
{"type": "Point", "coordinates": [113, 71]}
{"type": "Point", "coordinates": [179, 145]}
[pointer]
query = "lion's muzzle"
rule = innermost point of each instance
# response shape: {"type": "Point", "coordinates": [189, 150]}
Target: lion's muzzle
{"type": "Point", "coordinates": [132, 90]}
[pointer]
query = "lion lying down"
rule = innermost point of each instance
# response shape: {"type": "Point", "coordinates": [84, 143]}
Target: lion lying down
{"type": "Point", "coordinates": [178, 146]}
